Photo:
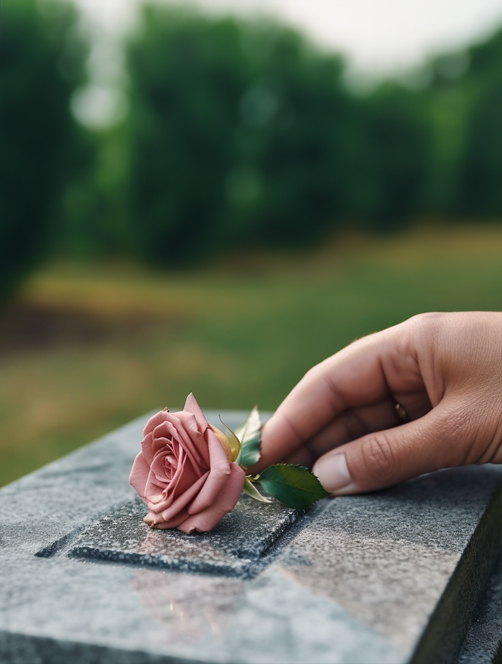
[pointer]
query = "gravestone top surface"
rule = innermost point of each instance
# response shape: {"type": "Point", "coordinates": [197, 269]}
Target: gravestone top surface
{"type": "Point", "coordinates": [383, 578]}
{"type": "Point", "coordinates": [235, 547]}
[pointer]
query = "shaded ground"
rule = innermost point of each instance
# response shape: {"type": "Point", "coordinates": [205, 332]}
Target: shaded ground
{"type": "Point", "coordinates": [32, 327]}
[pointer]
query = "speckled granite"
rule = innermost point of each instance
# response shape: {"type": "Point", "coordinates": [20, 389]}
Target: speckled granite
{"type": "Point", "coordinates": [383, 578]}
{"type": "Point", "coordinates": [235, 547]}
{"type": "Point", "coordinates": [483, 644]}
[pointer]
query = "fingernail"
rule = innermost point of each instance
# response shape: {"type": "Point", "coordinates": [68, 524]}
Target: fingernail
{"type": "Point", "coordinates": [333, 473]}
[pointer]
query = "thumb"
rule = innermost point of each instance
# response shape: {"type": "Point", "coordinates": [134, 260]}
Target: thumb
{"type": "Point", "coordinates": [383, 458]}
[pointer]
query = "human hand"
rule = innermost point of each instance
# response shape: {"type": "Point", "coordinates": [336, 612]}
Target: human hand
{"type": "Point", "coordinates": [444, 369]}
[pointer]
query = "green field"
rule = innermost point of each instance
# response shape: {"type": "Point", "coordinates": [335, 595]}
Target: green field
{"type": "Point", "coordinates": [87, 348]}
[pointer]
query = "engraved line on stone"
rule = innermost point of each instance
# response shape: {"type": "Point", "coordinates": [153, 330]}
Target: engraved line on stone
{"type": "Point", "coordinates": [241, 545]}
{"type": "Point", "coordinates": [61, 545]}
{"type": "Point", "coordinates": [241, 568]}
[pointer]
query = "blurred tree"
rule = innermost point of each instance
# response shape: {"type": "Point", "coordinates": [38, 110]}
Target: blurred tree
{"type": "Point", "coordinates": [239, 133]}
{"type": "Point", "coordinates": [480, 190]}
{"type": "Point", "coordinates": [397, 154]}
{"type": "Point", "coordinates": [41, 63]}
{"type": "Point", "coordinates": [480, 180]}
{"type": "Point", "coordinates": [291, 178]}
{"type": "Point", "coordinates": [186, 81]}
{"type": "Point", "coordinates": [445, 102]}
{"type": "Point", "coordinates": [94, 222]}
{"type": "Point", "coordinates": [292, 175]}
{"type": "Point", "coordinates": [463, 101]}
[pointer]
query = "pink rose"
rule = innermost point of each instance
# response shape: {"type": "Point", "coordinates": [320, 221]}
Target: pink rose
{"type": "Point", "coordinates": [184, 472]}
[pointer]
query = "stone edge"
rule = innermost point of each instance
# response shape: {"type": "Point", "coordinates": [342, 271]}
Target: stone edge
{"type": "Point", "coordinates": [448, 626]}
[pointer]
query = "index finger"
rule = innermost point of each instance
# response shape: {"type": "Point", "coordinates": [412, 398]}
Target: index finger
{"type": "Point", "coordinates": [353, 377]}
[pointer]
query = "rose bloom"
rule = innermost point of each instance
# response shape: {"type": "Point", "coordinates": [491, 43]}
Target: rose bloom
{"type": "Point", "coordinates": [184, 472]}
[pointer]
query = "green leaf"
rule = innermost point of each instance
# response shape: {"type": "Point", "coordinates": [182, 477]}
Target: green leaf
{"type": "Point", "coordinates": [233, 441]}
{"type": "Point", "coordinates": [295, 486]}
{"type": "Point", "coordinates": [252, 491]}
{"type": "Point", "coordinates": [250, 436]}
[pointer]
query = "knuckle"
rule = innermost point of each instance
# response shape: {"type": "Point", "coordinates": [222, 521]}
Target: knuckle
{"type": "Point", "coordinates": [378, 456]}
{"type": "Point", "coordinates": [458, 428]}
{"type": "Point", "coordinates": [427, 318]}
{"type": "Point", "coordinates": [453, 422]}
{"type": "Point", "coordinates": [315, 372]}
{"type": "Point", "coordinates": [426, 324]}
{"type": "Point", "coordinates": [459, 420]}
{"type": "Point", "coordinates": [426, 330]}
{"type": "Point", "coordinates": [473, 430]}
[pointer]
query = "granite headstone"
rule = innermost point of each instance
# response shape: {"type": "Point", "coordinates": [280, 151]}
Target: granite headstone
{"type": "Point", "coordinates": [386, 578]}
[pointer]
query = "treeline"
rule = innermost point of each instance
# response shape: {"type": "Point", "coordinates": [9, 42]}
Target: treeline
{"type": "Point", "coordinates": [41, 64]}
{"type": "Point", "coordinates": [238, 134]}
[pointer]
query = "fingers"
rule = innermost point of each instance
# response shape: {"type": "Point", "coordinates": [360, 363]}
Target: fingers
{"type": "Point", "coordinates": [351, 378]}
{"type": "Point", "coordinates": [355, 423]}
{"type": "Point", "coordinates": [383, 458]}
{"type": "Point", "coordinates": [349, 425]}
{"type": "Point", "coordinates": [424, 364]}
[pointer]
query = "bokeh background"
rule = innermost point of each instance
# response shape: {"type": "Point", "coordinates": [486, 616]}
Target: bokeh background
{"type": "Point", "coordinates": [214, 196]}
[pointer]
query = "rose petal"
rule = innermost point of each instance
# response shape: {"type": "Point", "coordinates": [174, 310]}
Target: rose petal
{"type": "Point", "coordinates": [169, 508]}
{"type": "Point", "coordinates": [139, 474]}
{"type": "Point", "coordinates": [154, 494]}
{"type": "Point", "coordinates": [182, 500]}
{"type": "Point", "coordinates": [146, 447]}
{"type": "Point", "coordinates": [218, 475]}
{"type": "Point", "coordinates": [158, 467]}
{"type": "Point", "coordinates": [196, 435]}
{"type": "Point", "coordinates": [225, 502]}
{"type": "Point", "coordinates": [160, 493]}
{"type": "Point", "coordinates": [165, 430]}
{"type": "Point", "coordinates": [170, 446]}
{"type": "Point", "coordinates": [153, 479]}
{"type": "Point", "coordinates": [193, 441]}
{"type": "Point", "coordinates": [156, 498]}
{"type": "Point", "coordinates": [159, 522]}
{"type": "Point", "coordinates": [192, 406]}
{"type": "Point", "coordinates": [185, 476]}
{"type": "Point", "coordinates": [162, 437]}
{"type": "Point", "coordinates": [154, 421]}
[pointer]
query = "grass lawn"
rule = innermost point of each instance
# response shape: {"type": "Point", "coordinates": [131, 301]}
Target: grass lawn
{"type": "Point", "coordinates": [87, 348]}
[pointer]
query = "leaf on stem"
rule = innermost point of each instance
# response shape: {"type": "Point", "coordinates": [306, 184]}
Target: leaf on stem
{"type": "Point", "coordinates": [295, 486]}
{"type": "Point", "coordinates": [252, 491]}
{"type": "Point", "coordinates": [250, 436]}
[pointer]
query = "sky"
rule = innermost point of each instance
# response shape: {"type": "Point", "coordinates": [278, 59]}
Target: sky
{"type": "Point", "coordinates": [378, 37]}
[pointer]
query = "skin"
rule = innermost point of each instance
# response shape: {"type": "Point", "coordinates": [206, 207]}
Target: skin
{"type": "Point", "coordinates": [445, 369]}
